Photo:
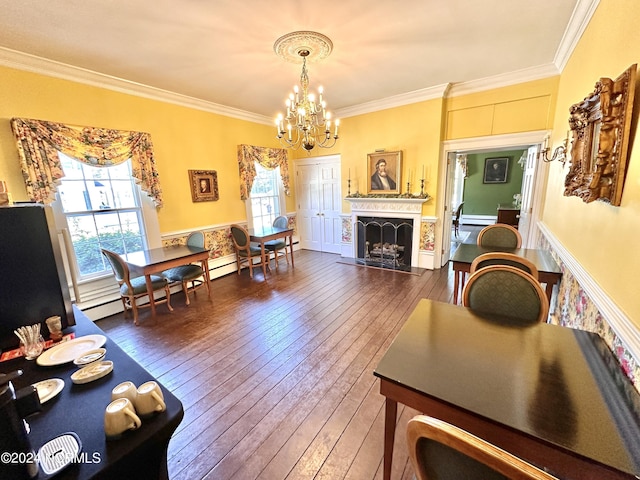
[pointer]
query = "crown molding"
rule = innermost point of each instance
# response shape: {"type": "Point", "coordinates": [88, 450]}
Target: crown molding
{"type": "Point", "coordinates": [503, 80]}
{"type": "Point", "coordinates": [578, 22]}
{"type": "Point", "coordinates": [31, 63]}
{"type": "Point", "coordinates": [439, 91]}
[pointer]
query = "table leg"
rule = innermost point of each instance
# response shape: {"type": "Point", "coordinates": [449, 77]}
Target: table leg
{"type": "Point", "coordinates": [549, 291]}
{"type": "Point", "coordinates": [390, 412]}
{"type": "Point", "coordinates": [205, 269]}
{"type": "Point", "coordinates": [456, 285]}
{"type": "Point", "coordinates": [152, 303]}
{"type": "Point", "coordinates": [291, 249]}
{"type": "Point", "coordinates": [264, 260]}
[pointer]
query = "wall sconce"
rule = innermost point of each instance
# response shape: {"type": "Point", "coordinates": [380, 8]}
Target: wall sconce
{"type": "Point", "coordinates": [559, 153]}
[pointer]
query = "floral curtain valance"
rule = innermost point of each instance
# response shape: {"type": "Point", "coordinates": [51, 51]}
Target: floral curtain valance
{"type": "Point", "coordinates": [269, 158]}
{"type": "Point", "coordinates": [40, 141]}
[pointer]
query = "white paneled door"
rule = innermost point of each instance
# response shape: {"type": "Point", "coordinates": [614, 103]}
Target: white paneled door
{"type": "Point", "coordinates": [318, 190]}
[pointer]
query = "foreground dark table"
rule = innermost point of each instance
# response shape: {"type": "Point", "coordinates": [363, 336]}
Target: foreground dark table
{"type": "Point", "coordinates": [549, 271]}
{"type": "Point", "coordinates": [140, 454]}
{"type": "Point", "coordinates": [551, 395]}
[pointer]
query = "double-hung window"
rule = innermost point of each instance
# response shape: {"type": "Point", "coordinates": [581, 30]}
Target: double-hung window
{"type": "Point", "coordinates": [266, 201]}
{"type": "Point", "coordinates": [102, 210]}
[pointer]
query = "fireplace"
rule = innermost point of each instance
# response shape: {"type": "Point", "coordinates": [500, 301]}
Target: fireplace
{"type": "Point", "coordinates": [385, 232]}
{"type": "Point", "coordinates": [384, 242]}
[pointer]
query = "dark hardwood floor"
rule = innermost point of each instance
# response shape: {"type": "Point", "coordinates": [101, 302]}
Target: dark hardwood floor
{"type": "Point", "coordinates": [276, 375]}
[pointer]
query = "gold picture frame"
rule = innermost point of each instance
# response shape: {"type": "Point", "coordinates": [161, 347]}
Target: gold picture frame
{"type": "Point", "coordinates": [204, 185]}
{"type": "Point", "coordinates": [392, 168]}
{"type": "Point", "coordinates": [601, 126]}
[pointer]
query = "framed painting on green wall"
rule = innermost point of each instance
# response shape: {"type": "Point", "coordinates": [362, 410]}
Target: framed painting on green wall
{"type": "Point", "coordinates": [495, 170]}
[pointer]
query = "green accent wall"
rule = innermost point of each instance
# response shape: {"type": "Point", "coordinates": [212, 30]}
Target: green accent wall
{"type": "Point", "coordinates": [483, 198]}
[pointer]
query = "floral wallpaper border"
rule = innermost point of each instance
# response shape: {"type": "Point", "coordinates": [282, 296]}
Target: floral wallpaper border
{"type": "Point", "coordinates": [573, 308]}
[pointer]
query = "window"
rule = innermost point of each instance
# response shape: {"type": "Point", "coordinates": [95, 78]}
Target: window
{"type": "Point", "coordinates": [265, 202]}
{"type": "Point", "coordinates": [102, 210]}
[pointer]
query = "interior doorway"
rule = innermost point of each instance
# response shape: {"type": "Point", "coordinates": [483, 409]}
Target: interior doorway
{"type": "Point", "coordinates": [449, 191]}
{"type": "Point", "coordinates": [319, 196]}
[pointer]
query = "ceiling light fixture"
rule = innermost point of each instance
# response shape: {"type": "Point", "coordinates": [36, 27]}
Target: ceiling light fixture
{"type": "Point", "coordinates": [307, 122]}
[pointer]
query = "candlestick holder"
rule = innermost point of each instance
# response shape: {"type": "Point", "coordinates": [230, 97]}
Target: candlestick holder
{"type": "Point", "coordinates": [349, 186]}
{"type": "Point", "coordinates": [408, 188]}
{"type": "Point", "coordinates": [422, 187]}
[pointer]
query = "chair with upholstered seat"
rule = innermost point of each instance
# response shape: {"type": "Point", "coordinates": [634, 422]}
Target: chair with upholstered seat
{"type": "Point", "coordinates": [245, 251]}
{"type": "Point", "coordinates": [439, 450]}
{"type": "Point", "coordinates": [503, 258]}
{"type": "Point", "coordinates": [456, 219]}
{"type": "Point", "coordinates": [189, 273]}
{"type": "Point", "coordinates": [500, 235]}
{"type": "Point", "coordinates": [506, 293]}
{"type": "Point", "coordinates": [280, 244]}
{"type": "Point", "coordinates": [133, 288]}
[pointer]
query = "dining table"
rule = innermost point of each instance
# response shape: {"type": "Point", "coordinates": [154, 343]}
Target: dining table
{"type": "Point", "coordinates": [155, 260]}
{"type": "Point", "coordinates": [263, 235]}
{"type": "Point", "coordinates": [549, 272]}
{"type": "Point", "coordinates": [551, 395]}
{"type": "Point", "coordinates": [80, 408]}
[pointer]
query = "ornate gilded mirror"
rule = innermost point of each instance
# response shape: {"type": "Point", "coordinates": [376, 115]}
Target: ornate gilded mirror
{"type": "Point", "coordinates": [599, 153]}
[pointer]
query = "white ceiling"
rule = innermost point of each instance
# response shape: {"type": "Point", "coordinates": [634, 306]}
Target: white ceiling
{"type": "Point", "coordinates": [221, 51]}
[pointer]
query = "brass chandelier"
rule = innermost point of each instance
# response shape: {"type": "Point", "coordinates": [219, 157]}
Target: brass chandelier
{"type": "Point", "coordinates": [307, 122]}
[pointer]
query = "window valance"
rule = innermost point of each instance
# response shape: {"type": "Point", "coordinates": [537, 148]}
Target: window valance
{"type": "Point", "coordinates": [269, 158]}
{"type": "Point", "coordinates": [39, 141]}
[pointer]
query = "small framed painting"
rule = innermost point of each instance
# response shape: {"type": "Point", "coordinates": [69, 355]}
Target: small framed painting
{"type": "Point", "coordinates": [204, 185]}
{"type": "Point", "coordinates": [383, 170]}
{"type": "Point", "coordinates": [495, 170]}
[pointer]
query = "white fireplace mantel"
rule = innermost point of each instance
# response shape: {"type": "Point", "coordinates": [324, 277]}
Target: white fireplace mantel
{"type": "Point", "coordinates": [387, 205]}
{"type": "Point", "coordinates": [410, 208]}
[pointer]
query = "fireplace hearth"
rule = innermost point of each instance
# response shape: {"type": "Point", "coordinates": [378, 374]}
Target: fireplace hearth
{"type": "Point", "coordinates": [385, 242]}
{"type": "Point", "coordinates": [385, 233]}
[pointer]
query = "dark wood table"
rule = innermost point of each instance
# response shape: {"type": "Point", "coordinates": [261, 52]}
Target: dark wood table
{"type": "Point", "coordinates": [549, 271]}
{"type": "Point", "coordinates": [139, 454]}
{"type": "Point", "coordinates": [155, 260]}
{"type": "Point", "coordinates": [266, 234]}
{"type": "Point", "coordinates": [551, 395]}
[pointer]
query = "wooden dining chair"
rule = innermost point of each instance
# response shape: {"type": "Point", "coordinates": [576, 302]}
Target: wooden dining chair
{"type": "Point", "coordinates": [456, 219]}
{"type": "Point", "coordinates": [245, 252]}
{"type": "Point", "coordinates": [503, 258]}
{"type": "Point", "coordinates": [508, 294]}
{"type": "Point", "coordinates": [191, 273]}
{"type": "Point", "coordinates": [277, 246]}
{"type": "Point", "coordinates": [133, 288]}
{"type": "Point", "coordinates": [500, 235]}
{"type": "Point", "coordinates": [439, 450]}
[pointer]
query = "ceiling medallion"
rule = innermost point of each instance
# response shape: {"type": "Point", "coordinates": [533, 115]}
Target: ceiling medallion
{"type": "Point", "coordinates": [289, 46]}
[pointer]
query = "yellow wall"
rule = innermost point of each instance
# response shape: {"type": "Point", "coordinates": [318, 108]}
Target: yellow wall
{"type": "Point", "coordinates": [517, 108]}
{"type": "Point", "coordinates": [183, 139]}
{"type": "Point", "coordinates": [602, 238]}
{"type": "Point", "coordinates": [414, 129]}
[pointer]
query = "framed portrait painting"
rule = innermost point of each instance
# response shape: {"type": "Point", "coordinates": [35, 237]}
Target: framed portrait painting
{"type": "Point", "coordinates": [495, 170]}
{"type": "Point", "coordinates": [383, 172]}
{"type": "Point", "coordinates": [204, 185]}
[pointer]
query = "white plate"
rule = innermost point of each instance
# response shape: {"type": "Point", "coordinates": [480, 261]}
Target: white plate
{"type": "Point", "coordinates": [69, 351]}
{"type": "Point", "coordinates": [47, 389]}
{"type": "Point", "coordinates": [89, 357]}
{"type": "Point", "coordinates": [92, 372]}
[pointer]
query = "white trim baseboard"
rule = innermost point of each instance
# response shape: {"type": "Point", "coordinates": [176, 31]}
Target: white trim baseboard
{"type": "Point", "coordinates": [623, 327]}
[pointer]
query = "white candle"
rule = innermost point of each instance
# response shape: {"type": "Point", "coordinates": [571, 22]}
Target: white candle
{"type": "Point", "coordinates": [422, 172]}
